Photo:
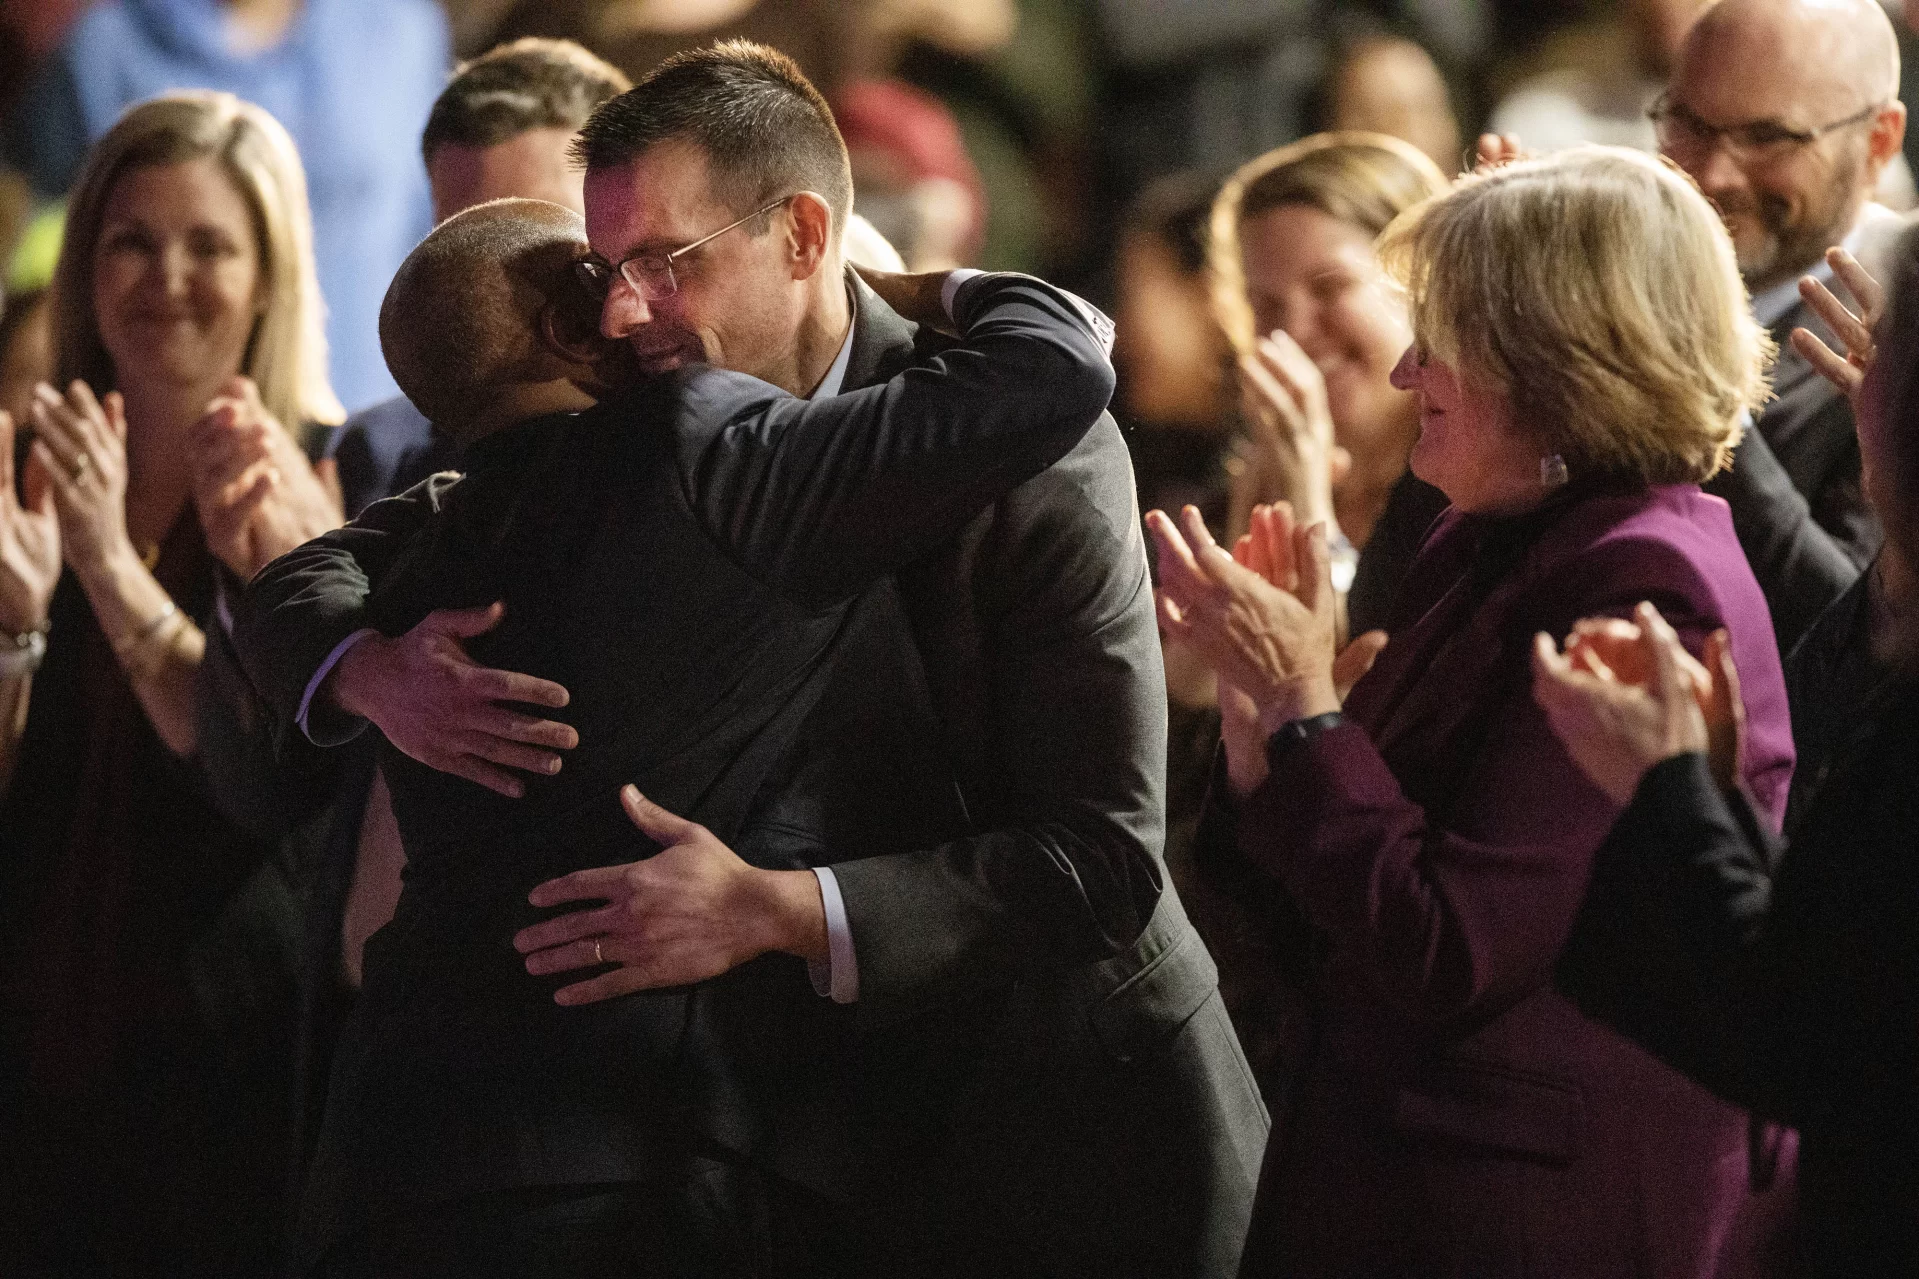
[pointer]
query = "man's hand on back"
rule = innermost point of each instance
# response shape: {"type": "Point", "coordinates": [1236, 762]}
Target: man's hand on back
{"type": "Point", "coordinates": [687, 914]}
{"type": "Point", "coordinates": [440, 707]}
{"type": "Point", "coordinates": [914, 297]}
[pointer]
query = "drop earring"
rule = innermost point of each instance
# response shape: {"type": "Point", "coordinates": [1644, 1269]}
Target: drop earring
{"type": "Point", "coordinates": [1552, 472]}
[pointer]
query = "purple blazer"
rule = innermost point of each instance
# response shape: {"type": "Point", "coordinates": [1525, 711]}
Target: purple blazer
{"type": "Point", "coordinates": [1447, 1112]}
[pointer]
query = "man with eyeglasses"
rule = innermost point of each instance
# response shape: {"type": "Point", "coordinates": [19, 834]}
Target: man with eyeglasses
{"type": "Point", "coordinates": [1786, 113]}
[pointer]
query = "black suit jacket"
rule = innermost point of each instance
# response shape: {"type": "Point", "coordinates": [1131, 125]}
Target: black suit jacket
{"type": "Point", "coordinates": [1795, 489]}
{"type": "Point", "coordinates": [686, 563]}
{"type": "Point", "coordinates": [1786, 982]}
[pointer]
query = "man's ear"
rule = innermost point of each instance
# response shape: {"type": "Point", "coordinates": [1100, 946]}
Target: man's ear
{"type": "Point", "coordinates": [1887, 138]}
{"type": "Point", "coordinates": [571, 332]}
{"type": "Point", "coordinates": [811, 230]}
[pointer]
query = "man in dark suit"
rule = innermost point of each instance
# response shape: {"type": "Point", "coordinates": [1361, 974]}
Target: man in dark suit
{"type": "Point", "coordinates": [465, 1103]}
{"type": "Point", "coordinates": [1034, 1074]}
{"type": "Point", "coordinates": [1786, 113]}
{"type": "Point", "coordinates": [500, 128]}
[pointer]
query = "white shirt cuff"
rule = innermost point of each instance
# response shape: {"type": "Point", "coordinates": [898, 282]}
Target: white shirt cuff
{"type": "Point", "coordinates": [319, 678]}
{"type": "Point", "coordinates": [839, 976]}
{"type": "Point", "coordinates": [949, 289]}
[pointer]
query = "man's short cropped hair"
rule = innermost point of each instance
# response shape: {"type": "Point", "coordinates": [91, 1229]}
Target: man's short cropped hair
{"type": "Point", "coordinates": [518, 87]}
{"type": "Point", "coordinates": [765, 130]}
{"type": "Point", "coordinates": [1598, 291]}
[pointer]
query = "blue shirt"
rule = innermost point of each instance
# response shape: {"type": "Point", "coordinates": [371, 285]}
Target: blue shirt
{"type": "Point", "coordinates": [352, 81]}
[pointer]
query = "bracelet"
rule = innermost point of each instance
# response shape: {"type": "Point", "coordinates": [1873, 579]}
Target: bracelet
{"type": "Point", "coordinates": [22, 654]}
{"type": "Point", "coordinates": [1297, 732]}
{"type": "Point", "coordinates": [151, 660]}
{"type": "Point", "coordinates": [147, 632]}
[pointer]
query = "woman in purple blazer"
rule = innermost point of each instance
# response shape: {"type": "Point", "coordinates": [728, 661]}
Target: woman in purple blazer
{"type": "Point", "coordinates": [1584, 357]}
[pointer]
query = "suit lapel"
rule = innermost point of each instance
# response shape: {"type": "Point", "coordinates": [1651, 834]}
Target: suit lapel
{"type": "Point", "coordinates": [883, 343]}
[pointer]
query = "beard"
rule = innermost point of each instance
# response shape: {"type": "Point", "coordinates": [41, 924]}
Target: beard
{"type": "Point", "coordinates": [1776, 245]}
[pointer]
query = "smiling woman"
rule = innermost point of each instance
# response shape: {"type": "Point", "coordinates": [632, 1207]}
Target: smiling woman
{"type": "Point", "coordinates": [1582, 353]}
{"type": "Point", "coordinates": [186, 328]}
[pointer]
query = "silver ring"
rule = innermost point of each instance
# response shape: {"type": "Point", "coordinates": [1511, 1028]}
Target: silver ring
{"type": "Point", "coordinates": [598, 958]}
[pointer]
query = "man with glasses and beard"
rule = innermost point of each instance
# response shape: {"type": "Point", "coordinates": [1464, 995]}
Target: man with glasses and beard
{"type": "Point", "coordinates": [1786, 114]}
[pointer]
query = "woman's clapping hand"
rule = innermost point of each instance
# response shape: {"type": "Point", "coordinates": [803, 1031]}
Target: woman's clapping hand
{"type": "Point", "coordinates": [82, 445]}
{"type": "Point", "coordinates": [29, 541]}
{"type": "Point", "coordinates": [1624, 696]}
{"type": "Point", "coordinates": [257, 496]}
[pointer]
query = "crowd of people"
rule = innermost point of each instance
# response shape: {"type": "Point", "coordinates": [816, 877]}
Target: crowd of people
{"type": "Point", "coordinates": [602, 700]}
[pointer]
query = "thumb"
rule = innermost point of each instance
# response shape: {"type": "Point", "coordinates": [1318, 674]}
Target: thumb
{"type": "Point", "coordinates": [658, 825]}
{"type": "Point", "coordinates": [327, 471]}
{"type": "Point", "coordinates": [1356, 659]}
{"type": "Point", "coordinates": [465, 623]}
{"type": "Point", "coordinates": [116, 406]}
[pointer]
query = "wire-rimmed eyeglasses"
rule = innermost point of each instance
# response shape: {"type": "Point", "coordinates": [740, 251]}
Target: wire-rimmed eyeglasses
{"type": "Point", "coordinates": [650, 273]}
{"type": "Point", "coordinates": [1680, 128]}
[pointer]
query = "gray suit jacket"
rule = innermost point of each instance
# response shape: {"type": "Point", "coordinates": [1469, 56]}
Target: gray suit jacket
{"type": "Point", "coordinates": [1045, 1060]}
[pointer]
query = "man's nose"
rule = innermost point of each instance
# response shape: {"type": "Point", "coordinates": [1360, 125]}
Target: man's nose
{"type": "Point", "coordinates": [623, 311]}
{"type": "Point", "coordinates": [1710, 163]}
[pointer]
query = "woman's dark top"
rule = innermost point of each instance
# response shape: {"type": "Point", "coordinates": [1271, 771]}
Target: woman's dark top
{"type": "Point", "coordinates": [138, 1136]}
{"type": "Point", "coordinates": [1787, 984]}
{"type": "Point", "coordinates": [1411, 509]}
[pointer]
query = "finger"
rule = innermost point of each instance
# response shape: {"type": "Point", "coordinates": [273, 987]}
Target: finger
{"type": "Point", "coordinates": [1548, 661]}
{"type": "Point", "coordinates": [36, 485]}
{"type": "Point", "coordinates": [1844, 324]}
{"type": "Point", "coordinates": [1243, 551]}
{"type": "Point", "coordinates": [1728, 707]}
{"type": "Point", "coordinates": [1177, 568]}
{"type": "Point", "coordinates": [531, 730]}
{"type": "Point", "coordinates": [1865, 290]}
{"type": "Point", "coordinates": [1214, 563]}
{"type": "Point", "coordinates": [1270, 392]}
{"type": "Point", "coordinates": [86, 408]}
{"type": "Point", "coordinates": [1827, 362]}
{"type": "Point", "coordinates": [1315, 568]}
{"type": "Point", "coordinates": [621, 981]}
{"type": "Point", "coordinates": [508, 754]}
{"type": "Point", "coordinates": [596, 883]}
{"type": "Point", "coordinates": [571, 926]}
{"type": "Point", "coordinates": [1277, 528]}
{"type": "Point", "coordinates": [1356, 659]}
{"type": "Point", "coordinates": [511, 686]}
{"type": "Point", "coordinates": [1289, 361]}
{"type": "Point", "coordinates": [588, 953]}
{"type": "Point", "coordinates": [465, 623]}
{"type": "Point", "coordinates": [116, 407]}
{"type": "Point", "coordinates": [483, 773]}
{"type": "Point", "coordinates": [1669, 680]}
{"type": "Point", "coordinates": [58, 473]}
{"type": "Point", "coordinates": [1169, 614]}
{"type": "Point", "coordinates": [6, 461]}
{"type": "Point", "coordinates": [658, 825]}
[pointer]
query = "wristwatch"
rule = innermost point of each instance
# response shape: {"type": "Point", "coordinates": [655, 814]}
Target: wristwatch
{"type": "Point", "coordinates": [22, 654]}
{"type": "Point", "coordinates": [1297, 732]}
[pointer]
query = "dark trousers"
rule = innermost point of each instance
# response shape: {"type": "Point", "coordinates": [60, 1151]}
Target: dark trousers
{"type": "Point", "coordinates": [711, 1220]}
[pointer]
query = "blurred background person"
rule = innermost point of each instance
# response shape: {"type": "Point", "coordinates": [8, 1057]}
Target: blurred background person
{"type": "Point", "coordinates": [145, 1024]}
{"type": "Point", "coordinates": [1318, 327]}
{"type": "Point", "coordinates": [351, 79]}
{"type": "Point", "coordinates": [1381, 83]}
{"type": "Point", "coordinates": [1451, 1113]}
{"type": "Point", "coordinates": [1594, 81]}
{"type": "Point", "coordinates": [1787, 981]}
{"type": "Point", "coordinates": [912, 176]}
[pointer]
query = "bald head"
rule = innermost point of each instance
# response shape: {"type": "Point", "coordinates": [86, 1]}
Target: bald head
{"type": "Point", "coordinates": [470, 315]}
{"type": "Point", "coordinates": [1832, 55]}
{"type": "Point", "coordinates": [1786, 113]}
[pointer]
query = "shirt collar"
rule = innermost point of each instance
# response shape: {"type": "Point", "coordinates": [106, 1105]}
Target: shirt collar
{"type": "Point", "coordinates": [836, 376]}
{"type": "Point", "coordinates": [1771, 306]}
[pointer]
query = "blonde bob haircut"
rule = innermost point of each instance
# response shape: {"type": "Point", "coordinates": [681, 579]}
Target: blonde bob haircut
{"type": "Point", "coordinates": [1362, 179]}
{"type": "Point", "coordinates": [286, 353]}
{"type": "Point", "coordinates": [1597, 290]}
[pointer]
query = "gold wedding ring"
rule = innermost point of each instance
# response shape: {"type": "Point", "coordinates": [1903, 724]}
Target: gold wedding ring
{"type": "Point", "coordinates": [80, 465]}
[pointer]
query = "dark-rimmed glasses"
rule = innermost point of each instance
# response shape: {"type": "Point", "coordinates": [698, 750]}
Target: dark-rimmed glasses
{"type": "Point", "coordinates": [1680, 128]}
{"type": "Point", "coordinates": [649, 273]}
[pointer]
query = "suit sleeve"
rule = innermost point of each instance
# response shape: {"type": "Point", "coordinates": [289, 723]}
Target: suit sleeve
{"type": "Point", "coordinates": [1068, 772]}
{"type": "Point", "coordinates": [1667, 944]}
{"type": "Point", "coordinates": [1451, 912]}
{"type": "Point", "coordinates": [298, 608]}
{"type": "Point", "coordinates": [819, 497]}
{"type": "Point", "coordinates": [1800, 565]}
